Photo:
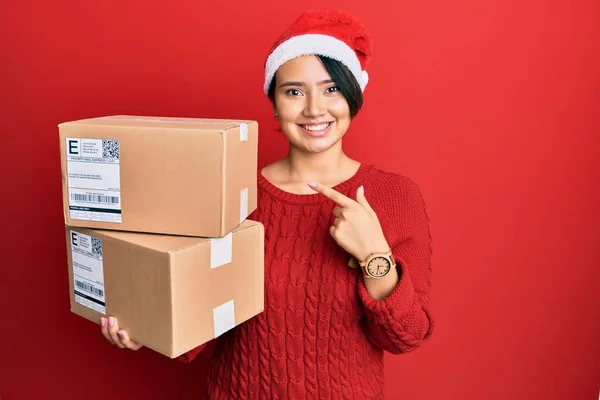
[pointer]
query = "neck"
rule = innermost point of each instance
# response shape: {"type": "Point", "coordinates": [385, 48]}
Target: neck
{"type": "Point", "coordinates": [325, 166]}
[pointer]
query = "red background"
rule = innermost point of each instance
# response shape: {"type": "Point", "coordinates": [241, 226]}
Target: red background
{"type": "Point", "coordinates": [491, 106]}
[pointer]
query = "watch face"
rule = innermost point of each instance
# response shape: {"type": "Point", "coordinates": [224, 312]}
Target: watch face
{"type": "Point", "coordinates": [378, 267]}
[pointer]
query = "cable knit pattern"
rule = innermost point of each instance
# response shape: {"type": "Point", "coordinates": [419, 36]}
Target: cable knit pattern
{"type": "Point", "coordinates": [321, 335]}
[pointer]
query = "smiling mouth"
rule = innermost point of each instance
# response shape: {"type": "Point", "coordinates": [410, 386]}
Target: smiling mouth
{"type": "Point", "coordinates": [317, 127]}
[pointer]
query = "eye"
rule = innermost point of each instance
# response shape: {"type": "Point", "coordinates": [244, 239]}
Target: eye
{"type": "Point", "coordinates": [293, 92]}
{"type": "Point", "coordinates": [333, 89]}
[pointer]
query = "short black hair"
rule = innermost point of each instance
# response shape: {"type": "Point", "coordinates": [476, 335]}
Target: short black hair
{"type": "Point", "coordinates": [343, 78]}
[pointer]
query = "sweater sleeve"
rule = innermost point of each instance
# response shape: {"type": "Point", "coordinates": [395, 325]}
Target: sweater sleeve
{"type": "Point", "coordinates": [402, 321]}
{"type": "Point", "coordinates": [189, 356]}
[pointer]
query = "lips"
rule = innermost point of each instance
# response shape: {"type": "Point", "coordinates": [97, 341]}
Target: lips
{"type": "Point", "coordinates": [316, 130]}
{"type": "Point", "coordinates": [316, 127]}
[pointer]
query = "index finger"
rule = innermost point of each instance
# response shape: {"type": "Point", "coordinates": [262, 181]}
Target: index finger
{"type": "Point", "coordinates": [331, 194]}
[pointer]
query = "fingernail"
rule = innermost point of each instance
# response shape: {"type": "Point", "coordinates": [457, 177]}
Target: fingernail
{"type": "Point", "coordinates": [111, 321]}
{"type": "Point", "coordinates": [312, 184]}
{"type": "Point", "coordinates": [103, 321]}
{"type": "Point", "coordinates": [120, 335]}
{"type": "Point", "coordinates": [362, 189]}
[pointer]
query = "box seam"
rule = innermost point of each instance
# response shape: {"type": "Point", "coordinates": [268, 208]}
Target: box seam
{"type": "Point", "coordinates": [172, 322]}
{"type": "Point", "coordinates": [224, 180]}
{"type": "Point", "coordinates": [90, 123]}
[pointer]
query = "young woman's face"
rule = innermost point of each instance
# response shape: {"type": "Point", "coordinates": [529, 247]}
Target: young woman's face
{"type": "Point", "coordinates": [312, 112]}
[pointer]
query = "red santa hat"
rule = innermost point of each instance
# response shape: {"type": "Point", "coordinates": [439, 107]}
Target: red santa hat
{"type": "Point", "coordinates": [332, 33]}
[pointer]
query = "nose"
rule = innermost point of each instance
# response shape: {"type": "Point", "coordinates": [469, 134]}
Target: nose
{"type": "Point", "coordinates": [314, 105]}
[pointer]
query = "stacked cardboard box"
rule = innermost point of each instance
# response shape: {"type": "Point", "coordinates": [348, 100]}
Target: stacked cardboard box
{"type": "Point", "coordinates": [156, 213]}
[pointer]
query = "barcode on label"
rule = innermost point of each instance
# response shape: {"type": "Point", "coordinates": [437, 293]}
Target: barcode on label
{"type": "Point", "coordinates": [89, 288]}
{"type": "Point", "coordinates": [96, 246]}
{"type": "Point", "coordinates": [110, 149]}
{"type": "Point", "coordinates": [92, 198]}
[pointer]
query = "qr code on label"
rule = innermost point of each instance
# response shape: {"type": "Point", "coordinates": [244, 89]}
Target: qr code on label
{"type": "Point", "coordinates": [96, 246]}
{"type": "Point", "coordinates": [110, 148]}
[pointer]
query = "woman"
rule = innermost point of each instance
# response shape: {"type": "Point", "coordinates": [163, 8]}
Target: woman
{"type": "Point", "coordinates": [347, 262]}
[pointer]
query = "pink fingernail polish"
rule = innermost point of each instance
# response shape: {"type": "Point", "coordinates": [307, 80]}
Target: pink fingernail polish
{"type": "Point", "coordinates": [120, 335]}
{"type": "Point", "coordinates": [111, 321]}
{"type": "Point", "coordinates": [312, 184]}
{"type": "Point", "coordinates": [103, 321]}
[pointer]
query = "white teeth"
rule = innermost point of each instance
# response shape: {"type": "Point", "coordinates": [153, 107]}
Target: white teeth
{"type": "Point", "coordinates": [316, 127]}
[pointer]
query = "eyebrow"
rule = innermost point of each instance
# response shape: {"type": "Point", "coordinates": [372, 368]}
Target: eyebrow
{"type": "Point", "coordinates": [295, 83]}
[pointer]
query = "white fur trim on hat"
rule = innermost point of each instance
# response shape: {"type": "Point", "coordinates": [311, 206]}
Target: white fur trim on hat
{"type": "Point", "coordinates": [324, 45]}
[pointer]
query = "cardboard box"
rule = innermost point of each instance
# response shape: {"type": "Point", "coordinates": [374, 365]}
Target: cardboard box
{"type": "Point", "coordinates": [171, 293]}
{"type": "Point", "coordinates": [177, 176]}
